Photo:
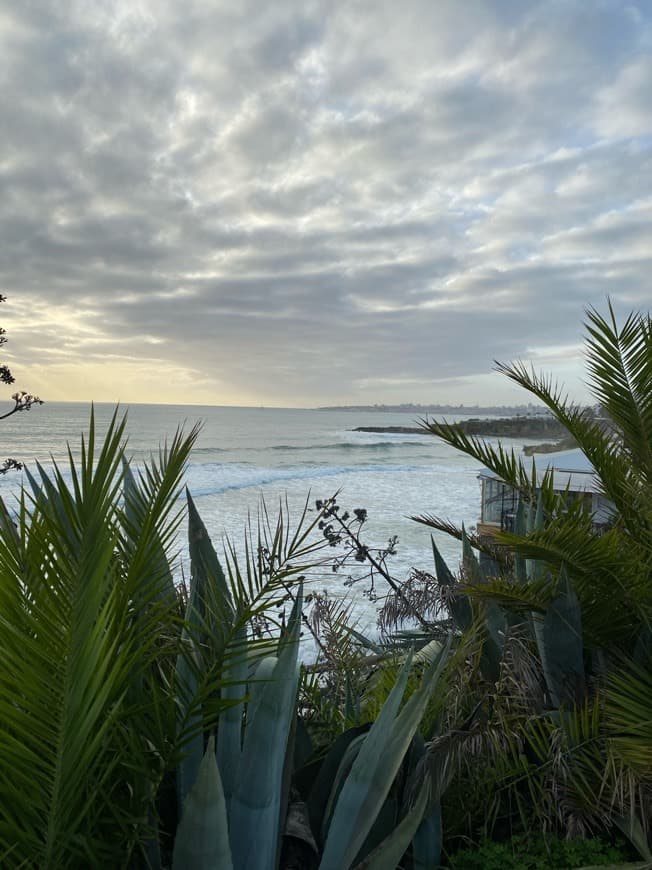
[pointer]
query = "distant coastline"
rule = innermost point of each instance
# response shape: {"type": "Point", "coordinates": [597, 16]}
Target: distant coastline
{"type": "Point", "coordinates": [494, 410]}
{"type": "Point", "coordinates": [505, 427]}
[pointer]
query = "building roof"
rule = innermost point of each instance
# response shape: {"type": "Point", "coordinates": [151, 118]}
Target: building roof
{"type": "Point", "coordinates": [571, 470]}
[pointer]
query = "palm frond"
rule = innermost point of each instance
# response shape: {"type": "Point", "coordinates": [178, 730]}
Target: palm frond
{"type": "Point", "coordinates": [74, 646]}
{"type": "Point", "coordinates": [616, 474]}
{"type": "Point", "coordinates": [629, 713]}
{"type": "Point", "coordinates": [505, 463]}
{"type": "Point", "coordinates": [619, 361]}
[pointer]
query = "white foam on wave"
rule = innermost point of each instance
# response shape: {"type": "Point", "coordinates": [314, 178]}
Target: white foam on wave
{"type": "Point", "coordinates": [210, 478]}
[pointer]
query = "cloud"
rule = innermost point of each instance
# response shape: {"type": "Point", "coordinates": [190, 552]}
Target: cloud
{"type": "Point", "coordinates": [316, 202]}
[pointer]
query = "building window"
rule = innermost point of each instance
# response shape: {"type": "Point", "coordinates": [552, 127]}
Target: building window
{"type": "Point", "coordinates": [499, 503]}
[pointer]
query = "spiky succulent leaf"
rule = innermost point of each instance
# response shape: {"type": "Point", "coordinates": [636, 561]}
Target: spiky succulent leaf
{"type": "Point", "coordinates": [256, 813]}
{"type": "Point", "coordinates": [229, 734]}
{"type": "Point", "coordinates": [459, 605]}
{"type": "Point", "coordinates": [561, 647]}
{"type": "Point", "coordinates": [323, 786]}
{"type": "Point", "coordinates": [427, 842]}
{"type": "Point", "coordinates": [387, 855]}
{"type": "Point", "coordinates": [376, 765]}
{"type": "Point", "coordinates": [202, 838]}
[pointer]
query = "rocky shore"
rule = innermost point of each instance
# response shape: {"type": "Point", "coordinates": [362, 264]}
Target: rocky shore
{"type": "Point", "coordinates": [504, 427]}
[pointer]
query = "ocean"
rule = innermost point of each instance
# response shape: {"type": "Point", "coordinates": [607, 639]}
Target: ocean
{"type": "Point", "coordinates": [245, 454]}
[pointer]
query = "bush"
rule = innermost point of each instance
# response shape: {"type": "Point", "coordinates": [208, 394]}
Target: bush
{"type": "Point", "coordinates": [538, 853]}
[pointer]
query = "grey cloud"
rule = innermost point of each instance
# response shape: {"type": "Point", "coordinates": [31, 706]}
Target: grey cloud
{"type": "Point", "coordinates": [304, 197]}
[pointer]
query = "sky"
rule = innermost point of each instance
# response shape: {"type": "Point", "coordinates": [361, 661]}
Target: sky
{"type": "Point", "coordinates": [318, 202]}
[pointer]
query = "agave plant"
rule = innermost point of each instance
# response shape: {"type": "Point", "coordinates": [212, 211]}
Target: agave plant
{"type": "Point", "coordinates": [236, 811]}
{"type": "Point", "coordinates": [235, 790]}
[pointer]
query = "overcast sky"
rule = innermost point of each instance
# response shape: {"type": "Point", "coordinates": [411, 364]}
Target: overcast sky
{"type": "Point", "coordinates": [302, 203]}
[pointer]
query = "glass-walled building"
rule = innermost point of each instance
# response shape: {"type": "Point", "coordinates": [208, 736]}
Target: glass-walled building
{"type": "Point", "coordinates": [573, 475]}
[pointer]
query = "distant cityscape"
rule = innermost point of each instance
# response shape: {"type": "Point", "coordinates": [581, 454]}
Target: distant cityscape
{"type": "Point", "coordinates": [529, 410]}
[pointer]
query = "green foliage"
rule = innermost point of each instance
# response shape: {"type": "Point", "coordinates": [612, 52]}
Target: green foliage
{"type": "Point", "coordinates": [376, 764]}
{"type": "Point", "coordinates": [629, 710]}
{"type": "Point", "coordinates": [258, 804]}
{"type": "Point", "coordinates": [560, 645]}
{"type": "Point", "coordinates": [349, 800]}
{"type": "Point", "coordinates": [539, 853]}
{"type": "Point", "coordinates": [109, 695]}
{"type": "Point", "coordinates": [88, 625]}
{"type": "Point", "coordinates": [249, 825]}
{"type": "Point", "coordinates": [560, 695]}
{"type": "Point", "coordinates": [614, 566]}
{"type": "Point", "coordinates": [202, 838]}
{"type": "Point", "coordinates": [141, 726]}
{"type": "Point", "coordinates": [354, 811]}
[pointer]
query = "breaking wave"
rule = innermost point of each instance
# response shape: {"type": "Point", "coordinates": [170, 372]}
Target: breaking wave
{"type": "Point", "coordinates": [214, 478]}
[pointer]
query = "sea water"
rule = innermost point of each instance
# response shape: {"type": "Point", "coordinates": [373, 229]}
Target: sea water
{"type": "Point", "coordinates": [243, 455]}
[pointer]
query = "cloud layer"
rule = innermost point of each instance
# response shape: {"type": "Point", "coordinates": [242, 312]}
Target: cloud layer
{"type": "Point", "coordinates": [312, 202]}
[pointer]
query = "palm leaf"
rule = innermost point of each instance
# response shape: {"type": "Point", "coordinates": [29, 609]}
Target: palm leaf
{"type": "Point", "coordinates": [620, 367]}
{"type": "Point", "coordinates": [629, 713]}
{"type": "Point", "coordinates": [73, 646]}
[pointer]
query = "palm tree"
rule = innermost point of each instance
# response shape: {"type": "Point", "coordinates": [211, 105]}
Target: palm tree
{"type": "Point", "coordinates": [611, 572]}
{"type": "Point", "coordinates": [569, 602]}
{"type": "Point", "coordinates": [88, 624]}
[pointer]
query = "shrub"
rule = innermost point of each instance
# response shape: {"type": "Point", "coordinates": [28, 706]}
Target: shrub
{"type": "Point", "coordinates": [538, 853]}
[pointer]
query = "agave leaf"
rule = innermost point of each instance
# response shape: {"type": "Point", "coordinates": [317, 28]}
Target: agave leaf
{"type": "Point", "coordinates": [535, 569]}
{"type": "Point", "coordinates": [376, 765]}
{"type": "Point", "coordinates": [427, 842]}
{"type": "Point", "coordinates": [428, 653]}
{"type": "Point", "coordinates": [633, 829]}
{"type": "Point", "coordinates": [350, 754]}
{"type": "Point", "coordinates": [202, 839]}
{"type": "Point", "coordinates": [364, 641]}
{"type": "Point", "coordinates": [286, 790]}
{"type": "Point", "coordinates": [472, 569]}
{"type": "Point", "coordinates": [263, 674]}
{"type": "Point", "coordinates": [459, 605]}
{"type": "Point", "coordinates": [322, 787]}
{"type": "Point", "coordinates": [495, 622]}
{"type": "Point", "coordinates": [303, 746]}
{"type": "Point", "coordinates": [520, 528]}
{"type": "Point", "coordinates": [387, 855]}
{"type": "Point", "coordinates": [404, 791]}
{"type": "Point", "coordinates": [490, 656]}
{"type": "Point", "coordinates": [202, 552]}
{"type": "Point", "coordinates": [187, 689]}
{"type": "Point", "coordinates": [297, 826]}
{"type": "Point", "coordinates": [560, 645]}
{"type": "Point", "coordinates": [229, 733]}
{"type": "Point", "coordinates": [256, 811]}
{"type": "Point", "coordinates": [492, 616]}
{"type": "Point", "coordinates": [210, 592]}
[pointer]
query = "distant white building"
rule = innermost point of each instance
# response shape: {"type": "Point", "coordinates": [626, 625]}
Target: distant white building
{"type": "Point", "coordinates": [572, 474]}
